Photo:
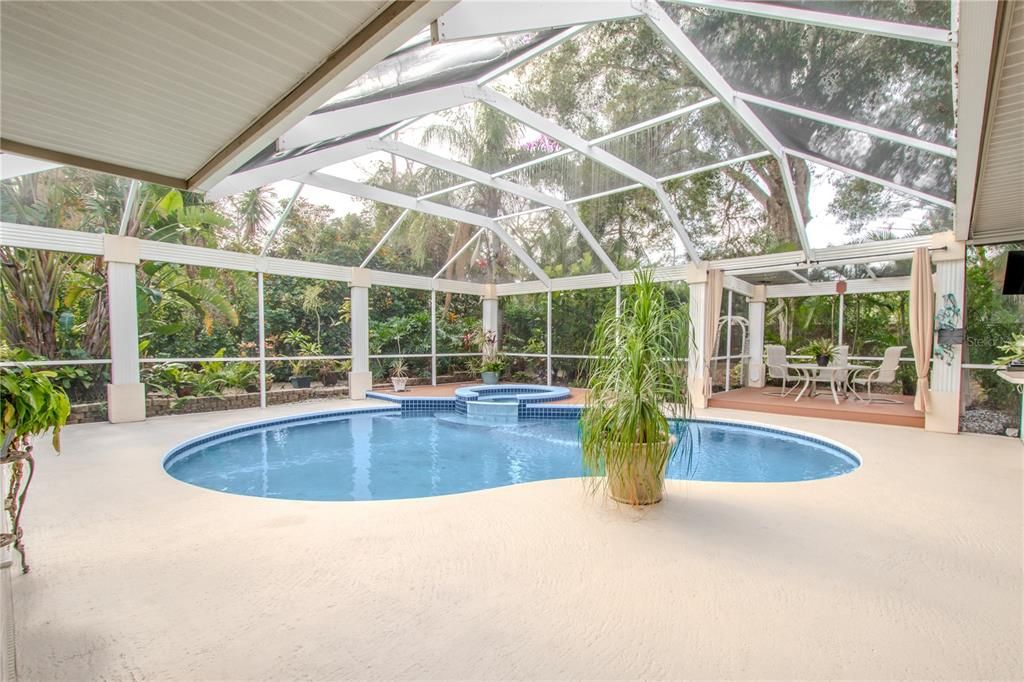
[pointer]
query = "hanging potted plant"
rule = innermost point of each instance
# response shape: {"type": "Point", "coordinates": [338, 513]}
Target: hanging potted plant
{"type": "Point", "coordinates": [29, 406]}
{"type": "Point", "coordinates": [399, 374]}
{"type": "Point", "coordinates": [822, 350]}
{"type": "Point", "coordinates": [636, 376]}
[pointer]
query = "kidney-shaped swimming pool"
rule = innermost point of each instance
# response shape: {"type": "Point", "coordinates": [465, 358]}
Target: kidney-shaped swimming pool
{"type": "Point", "coordinates": [383, 455]}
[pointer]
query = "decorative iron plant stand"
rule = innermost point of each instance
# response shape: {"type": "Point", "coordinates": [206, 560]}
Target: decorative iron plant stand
{"type": "Point", "coordinates": [17, 453]}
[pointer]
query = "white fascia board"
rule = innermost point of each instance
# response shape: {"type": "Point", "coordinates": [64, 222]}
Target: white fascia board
{"type": "Point", "coordinates": [243, 181]}
{"type": "Point", "coordinates": [688, 51]}
{"type": "Point", "coordinates": [454, 286]}
{"type": "Point", "coordinates": [853, 286]}
{"type": "Point", "coordinates": [429, 159]}
{"type": "Point", "coordinates": [340, 122]}
{"type": "Point", "coordinates": [16, 235]}
{"type": "Point", "coordinates": [786, 258]}
{"type": "Point", "coordinates": [850, 125]}
{"type": "Point", "coordinates": [477, 19]}
{"type": "Point", "coordinates": [923, 196]}
{"type": "Point", "coordinates": [971, 80]}
{"type": "Point", "coordinates": [183, 254]}
{"type": "Point", "coordinates": [597, 281]}
{"type": "Point", "coordinates": [841, 22]}
{"type": "Point", "coordinates": [292, 268]}
{"type": "Point", "coordinates": [400, 200]}
{"type": "Point", "coordinates": [520, 288]}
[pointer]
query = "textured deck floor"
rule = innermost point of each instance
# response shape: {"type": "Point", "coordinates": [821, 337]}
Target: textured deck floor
{"type": "Point", "coordinates": [822, 407]}
{"type": "Point", "coordinates": [909, 567]}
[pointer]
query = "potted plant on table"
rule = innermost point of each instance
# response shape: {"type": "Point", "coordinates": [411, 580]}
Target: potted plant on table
{"type": "Point", "coordinates": [399, 374]}
{"type": "Point", "coordinates": [637, 379]}
{"type": "Point", "coordinates": [29, 405]}
{"type": "Point", "coordinates": [822, 350]}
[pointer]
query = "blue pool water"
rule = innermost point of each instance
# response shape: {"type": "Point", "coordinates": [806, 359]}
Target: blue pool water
{"type": "Point", "coordinates": [383, 456]}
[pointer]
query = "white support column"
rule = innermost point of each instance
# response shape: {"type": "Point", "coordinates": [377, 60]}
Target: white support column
{"type": "Point", "coordinates": [842, 315]}
{"type": "Point", "coordinates": [728, 342]}
{"type": "Point", "coordinates": [433, 337]}
{"type": "Point", "coordinates": [950, 265]}
{"type": "Point", "coordinates": [490, 312]}
{"type": "Point", "coordinates": [755, 318]}
{"type": "Point", "coordinates": [263, 339]}
{"type": "Point", "coordinates": [126, 395]}
{"type": "Point", "coordinates": [360, 380]}
{"type": "Point", "coordinates": [547, 337]}
{"type": "Point", "coordinates": [696, 279]}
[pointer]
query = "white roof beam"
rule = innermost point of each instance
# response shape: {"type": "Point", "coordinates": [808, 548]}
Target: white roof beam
{"type": "Point", "coordinates": [923, 196]}
{"type": "Point", "coordinates": [384, 238]}
{"type": "Point", "coordinates": [799, 276]}
{"type": "Point", "coordinates": [280, 220]}
{"type": "Point", "coordinates": [871, 271]}
{"type": "Point", "coordinates": [483, 19]}
{"type": "Point", "coordinates": [287, 168]}
{"type": "Point", "coordinates": [429, 159]}
{"type": "Point", "coordinates": [716, 82]}
{"type": "Point", "coordinates": [596, 154]}
{"type": "Point", "coordinates": [535, 51]}
{"type": "Point", "coordinates": [841, 22]}
{"type": "Point", "coordinates": [462, 249]}
{"type": "Point", "coordinates": [850, 125]}
{"type": "Point", "coordinates": [340, 122]}
{"type": "Point", "coordinates": [386, 196]}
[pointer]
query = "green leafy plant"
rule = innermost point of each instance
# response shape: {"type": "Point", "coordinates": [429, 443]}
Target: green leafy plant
{"type": "Point", "coordinates": [637, 374]}
{"type": "Point", "coordinates": [169, 379]}
{"type": "Point", "coordinates": [241, 375]}
{"type": "Point", "coordinates": [398, 368]}
{"type": "Point", "coordinates": [821, 349]}
{"type": "Point", "coordinates": [496, 364]}
{"type": "Point", "coordinates": [30, 404]}
{"type": "Point", "coordinates": [1014, 350]}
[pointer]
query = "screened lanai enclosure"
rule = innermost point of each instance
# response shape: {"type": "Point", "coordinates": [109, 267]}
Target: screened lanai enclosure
{"type": "Point", "coordinates": [511, 166]}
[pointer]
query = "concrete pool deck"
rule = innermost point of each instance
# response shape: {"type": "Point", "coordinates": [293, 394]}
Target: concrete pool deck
{"type": "Point", "coordinates": [910, 567]}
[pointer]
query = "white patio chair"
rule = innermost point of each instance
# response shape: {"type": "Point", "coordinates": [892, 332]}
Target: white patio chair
{"type": "Point", "coordinates": [841, 359]}
{"type": "Point", "coordinates": [776, 363]}
{"type": "Point", "coordinates": [885, 374]}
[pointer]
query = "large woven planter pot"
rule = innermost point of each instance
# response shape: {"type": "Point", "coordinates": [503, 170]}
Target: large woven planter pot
{"type": "Point", "coordinates": [640, 482]}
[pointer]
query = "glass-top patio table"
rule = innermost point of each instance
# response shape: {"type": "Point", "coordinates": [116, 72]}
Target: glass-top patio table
{"type": "Point", "coordinates": [839, 378]}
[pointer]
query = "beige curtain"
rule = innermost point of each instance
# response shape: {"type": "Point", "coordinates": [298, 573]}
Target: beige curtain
{"type": "Point", "coordinates": [922, 323]}
{"type": "Point", "coordinates": [712, 311]}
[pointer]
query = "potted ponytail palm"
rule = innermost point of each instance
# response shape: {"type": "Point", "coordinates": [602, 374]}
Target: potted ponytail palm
{"type": "Point", "coordinates": [636, 375]}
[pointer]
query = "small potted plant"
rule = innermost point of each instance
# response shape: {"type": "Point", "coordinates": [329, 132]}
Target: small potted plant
{"type": "Point", "coordinates": [399, 374]}
{"type": "Point", "coordinates": [328, 373]}
{"type": "Point", "coordinates": [491, 364]}
{"type": "Point", "coordinates": [490, 370]}
{"type": "Point", "coordinates": [822, 350]}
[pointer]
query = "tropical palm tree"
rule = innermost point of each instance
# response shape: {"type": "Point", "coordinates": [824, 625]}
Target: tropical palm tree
{"type": "Point", "coordinates": [252, 210]}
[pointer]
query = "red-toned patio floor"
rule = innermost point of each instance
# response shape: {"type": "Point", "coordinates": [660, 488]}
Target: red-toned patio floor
{"type": "Point", "coordinates": [822, 406]}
